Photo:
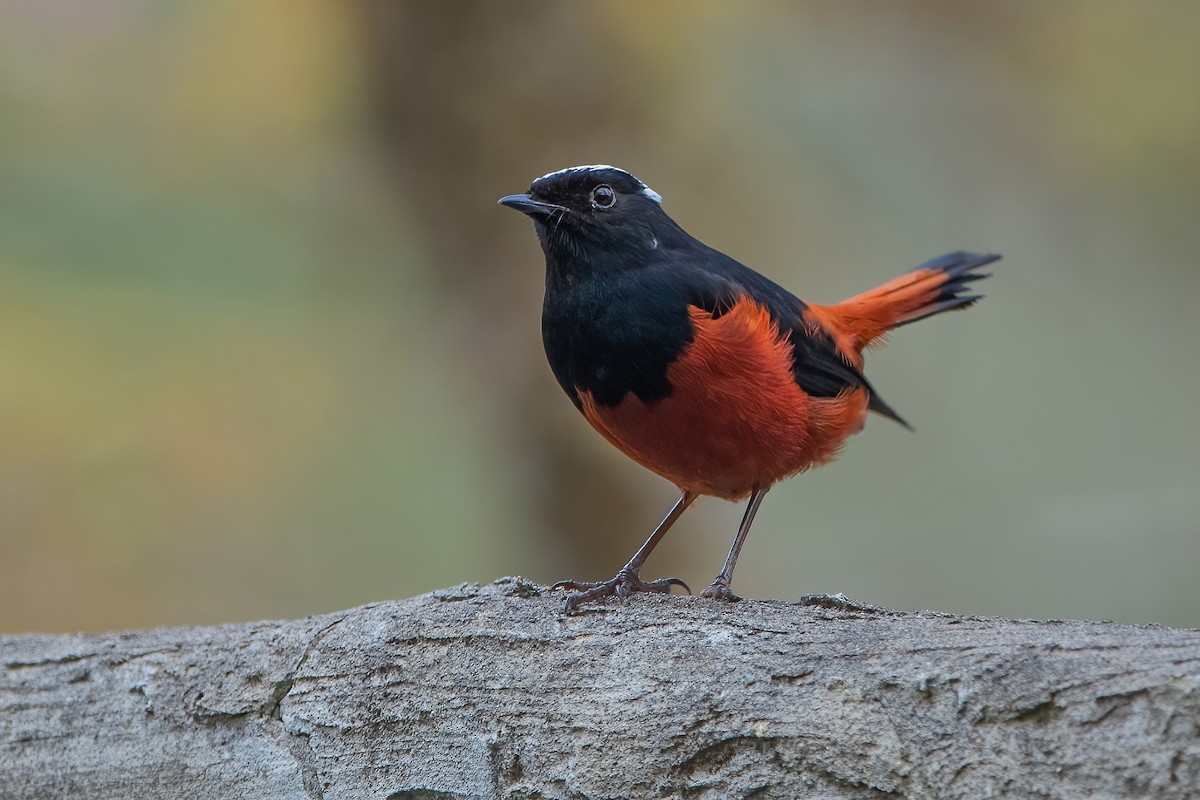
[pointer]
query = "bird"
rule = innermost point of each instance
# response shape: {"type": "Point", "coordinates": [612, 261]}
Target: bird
{"type": "Point", "coordinates": [697, 367]}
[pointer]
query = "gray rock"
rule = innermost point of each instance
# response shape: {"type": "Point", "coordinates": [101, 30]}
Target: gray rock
{"type": "Point", "coordinates": [491, 692]}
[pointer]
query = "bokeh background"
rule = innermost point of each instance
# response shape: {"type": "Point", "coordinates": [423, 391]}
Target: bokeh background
{"type": "Point", "coordinates": [268, 348]}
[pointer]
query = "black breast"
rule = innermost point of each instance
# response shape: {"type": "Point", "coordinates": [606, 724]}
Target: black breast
{"type": "Point", "coordinates": [613, 336]}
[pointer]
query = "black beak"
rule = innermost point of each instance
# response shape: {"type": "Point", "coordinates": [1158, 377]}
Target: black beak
{"type": "Point", "coordinates": [527, 205]}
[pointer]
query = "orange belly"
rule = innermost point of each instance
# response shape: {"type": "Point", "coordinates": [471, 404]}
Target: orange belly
{"type": "Point", "coordinates": [736, 419]}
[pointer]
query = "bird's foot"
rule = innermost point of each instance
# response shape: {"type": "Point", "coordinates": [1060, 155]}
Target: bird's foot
{"type": "Point", "coordinates": [719, 590]}
{"type": "Point", "coordinates": [621, 585]}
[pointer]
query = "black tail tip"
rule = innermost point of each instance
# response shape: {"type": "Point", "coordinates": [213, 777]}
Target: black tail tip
{"type": "Point", "coordinates": [960, 262]}
{"type": "Point", "coordinates": [959, 268]}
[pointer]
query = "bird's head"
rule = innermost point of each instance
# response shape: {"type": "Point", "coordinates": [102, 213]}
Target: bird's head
{"type": "Point", "coordinates": [594, 218]}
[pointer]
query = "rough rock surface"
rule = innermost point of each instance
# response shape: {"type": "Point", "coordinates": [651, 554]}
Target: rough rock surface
{"type": "Point", "coordinates": [491, 692]}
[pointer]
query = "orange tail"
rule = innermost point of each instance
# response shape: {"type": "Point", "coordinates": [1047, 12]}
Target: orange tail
{"type": "Point", "coordinates": [935, 286]}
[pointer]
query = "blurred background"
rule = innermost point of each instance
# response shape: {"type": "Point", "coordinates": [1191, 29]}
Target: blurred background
{"type": "Point", "coordinates": [268, 347]}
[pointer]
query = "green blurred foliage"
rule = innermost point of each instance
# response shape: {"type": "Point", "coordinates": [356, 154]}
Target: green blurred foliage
{"type": "Point", "coordinates": [267, 348]}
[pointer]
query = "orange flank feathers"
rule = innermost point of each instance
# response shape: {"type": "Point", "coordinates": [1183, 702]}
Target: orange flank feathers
{"type": "Point", "coordinates": [736, 419]}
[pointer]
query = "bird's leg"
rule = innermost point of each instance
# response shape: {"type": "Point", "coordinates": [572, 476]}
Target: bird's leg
{"type": "Point", "coordinates": [719, 588]}
{"type": "Point", "coordinates": [627, 581]}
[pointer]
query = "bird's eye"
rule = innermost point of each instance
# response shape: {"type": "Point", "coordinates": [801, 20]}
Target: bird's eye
{"type": "Point", "coordinates": [603, 196]}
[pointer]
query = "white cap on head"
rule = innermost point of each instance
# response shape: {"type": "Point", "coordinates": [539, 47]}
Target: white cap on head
{"type": "Point", "coordinates": [646, 190]}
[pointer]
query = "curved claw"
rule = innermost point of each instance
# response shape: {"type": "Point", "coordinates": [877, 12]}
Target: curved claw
{"type": "Point", "coordinates": [676, 582]}
{"type": "Point", "coordinates": [575, 586]}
